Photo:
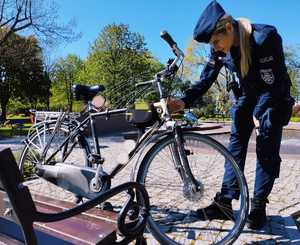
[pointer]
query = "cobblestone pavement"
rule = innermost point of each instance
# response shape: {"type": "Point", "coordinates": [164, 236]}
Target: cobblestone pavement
{"type": "Point", "coordinates": [284, 200]}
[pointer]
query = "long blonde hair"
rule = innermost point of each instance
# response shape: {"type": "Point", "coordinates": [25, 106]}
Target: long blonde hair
{"type": "Point", "coordinates": [245, 30]}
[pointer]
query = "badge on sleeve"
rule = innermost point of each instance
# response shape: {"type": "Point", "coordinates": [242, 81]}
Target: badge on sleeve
{"type": "Point", "coordinates": [267, 75]}
{"type": "Point", "coordinates": [266, 59]}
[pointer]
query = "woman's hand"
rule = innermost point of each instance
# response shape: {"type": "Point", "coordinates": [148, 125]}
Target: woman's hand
{"type": "Point", "coordinates": [175, 105]}
{"type": "Point", "coordinates": [256, 124]}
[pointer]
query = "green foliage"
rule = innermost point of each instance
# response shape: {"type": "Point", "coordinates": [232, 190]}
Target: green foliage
{"type": "Point", "coordinates": [21, 72]}
{"type": "Point", "coordinates": [195, 55]}
{"type": "Point", "coordinates": [119, 59]}
{"type": "Point", "coordinates": [65, 73]}
{"type": "Point", "coordinates": [292, 58]}
{"type": "Point", "coordinates": [217, 100]}
{"type": "Point", "coordinates": [206, 107]}
{"type": "Point", "coordinates": [295, 119]}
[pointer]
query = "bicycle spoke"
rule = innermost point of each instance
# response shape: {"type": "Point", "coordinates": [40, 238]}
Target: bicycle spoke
{"type": "Point", "coordinates": [171, 205]}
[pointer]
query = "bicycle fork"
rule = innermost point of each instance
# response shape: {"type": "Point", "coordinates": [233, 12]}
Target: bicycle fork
{"type": "Point", "coordinates": [181, 162]}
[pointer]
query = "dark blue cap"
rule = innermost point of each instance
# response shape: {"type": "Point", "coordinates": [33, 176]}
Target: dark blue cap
{"type": "Point", "coordinates": [208, 21]}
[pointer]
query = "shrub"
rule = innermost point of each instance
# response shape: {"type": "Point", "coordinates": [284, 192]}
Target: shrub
{"type": "Point", "coordinates": [296, 110]}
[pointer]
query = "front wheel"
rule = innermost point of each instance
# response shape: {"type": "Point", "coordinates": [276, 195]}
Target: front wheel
{"type": "Point", "coordinates": [174, 201]}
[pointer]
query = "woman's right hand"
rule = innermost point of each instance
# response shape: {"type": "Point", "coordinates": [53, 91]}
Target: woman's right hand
{"type": "Point", "coordinates": [175, 105]}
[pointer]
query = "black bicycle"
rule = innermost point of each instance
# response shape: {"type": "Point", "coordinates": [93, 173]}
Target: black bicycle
{"type": "Point", "coordinates": [180, 168]}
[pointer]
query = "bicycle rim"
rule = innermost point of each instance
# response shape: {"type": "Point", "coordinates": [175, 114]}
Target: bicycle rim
{"type": "Point", "coordinates": [172, 216]}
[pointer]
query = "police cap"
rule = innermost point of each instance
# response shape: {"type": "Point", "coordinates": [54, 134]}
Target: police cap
{"type": "Point", "coordinates": [208, 21]}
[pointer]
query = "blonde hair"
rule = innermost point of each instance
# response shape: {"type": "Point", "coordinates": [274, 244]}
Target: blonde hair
{"type": "Point", "coordinates": [245, 30]}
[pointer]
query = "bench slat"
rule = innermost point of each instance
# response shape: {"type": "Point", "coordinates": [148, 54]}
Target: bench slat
{"type": "Point", "coordinates": [82, 229]}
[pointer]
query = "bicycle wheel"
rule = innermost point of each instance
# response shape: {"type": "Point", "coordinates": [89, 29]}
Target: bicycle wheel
{"type": "Point", "coordinates": [172, 220]}
{"type": "Point", "coordinates": [31, 156]}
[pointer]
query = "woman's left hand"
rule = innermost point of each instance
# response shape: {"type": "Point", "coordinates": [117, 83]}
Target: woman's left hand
{"type": "Point", "coordinates": [175, 105]}
{"type": "Point", "coordinates": [256, 124]}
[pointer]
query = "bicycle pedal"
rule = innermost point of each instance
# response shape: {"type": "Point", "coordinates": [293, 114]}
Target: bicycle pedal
{"type": "Point", "coordinates": [188, 152]}
{"type": "Point", "coordinates": [78, 199]}
{"type": "Point", "coordinates": [107, 206]}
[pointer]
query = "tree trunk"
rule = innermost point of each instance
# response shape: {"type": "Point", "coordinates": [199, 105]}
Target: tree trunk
{"type": "Point", "coordinates": [4, 98]}
{"type": "Point", "coordinates": [3, 109]}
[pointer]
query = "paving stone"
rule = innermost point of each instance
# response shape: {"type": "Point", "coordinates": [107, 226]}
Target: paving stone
{"type": "Point", "coordinates": [284, 199]}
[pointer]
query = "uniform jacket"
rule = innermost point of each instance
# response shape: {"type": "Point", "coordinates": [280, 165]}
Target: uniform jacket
{"type": "Point", "coordinates": [267, 81]}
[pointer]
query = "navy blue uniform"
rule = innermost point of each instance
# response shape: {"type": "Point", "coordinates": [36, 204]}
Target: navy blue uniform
{"type": "Point", "coordinates": [265, 94]}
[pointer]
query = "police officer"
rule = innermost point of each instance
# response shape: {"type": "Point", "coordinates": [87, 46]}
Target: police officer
{"type": "Point", "coordinates": [255, 53]}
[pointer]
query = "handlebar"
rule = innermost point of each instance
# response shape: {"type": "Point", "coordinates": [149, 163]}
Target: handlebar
{"type": "Point", "coordinates": [170, 70]}
{"type": "Point", "coordinates": [167, 37]}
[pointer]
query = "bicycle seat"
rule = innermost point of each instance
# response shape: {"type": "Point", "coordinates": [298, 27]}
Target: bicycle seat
{"type": "Point", "coordinates": [86, 93]}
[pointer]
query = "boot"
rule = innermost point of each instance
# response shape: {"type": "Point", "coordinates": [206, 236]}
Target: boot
{"type": "Point", "coordinates": [257, 217]}
{"type": "Point", "coordinates": [221, 208]}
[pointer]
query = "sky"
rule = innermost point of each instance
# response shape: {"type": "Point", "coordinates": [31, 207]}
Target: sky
{"type": "Point", "coordinates": [178, 17]}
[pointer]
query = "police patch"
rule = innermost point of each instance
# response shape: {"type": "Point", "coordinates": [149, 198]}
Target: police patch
{"type": "Point", "coordinates": [266, 59]}
{"type": "Point", "coordinates": [267, 75]}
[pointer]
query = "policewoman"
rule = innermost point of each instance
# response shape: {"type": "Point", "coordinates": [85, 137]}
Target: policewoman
{"type": "Point", "coordinates": [255, 53]}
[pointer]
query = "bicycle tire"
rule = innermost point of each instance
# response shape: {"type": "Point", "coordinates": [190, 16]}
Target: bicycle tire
{"type": "Point", "coordinates": [165, 201]}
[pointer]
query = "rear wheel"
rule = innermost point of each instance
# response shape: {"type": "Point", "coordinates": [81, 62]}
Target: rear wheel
{"type": "Point", "coordinates": [31, 156]}
{"type": "Point", "coordinates": [172, 220]}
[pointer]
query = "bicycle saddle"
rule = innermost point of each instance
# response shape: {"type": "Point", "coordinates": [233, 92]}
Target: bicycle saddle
{"type": "Point", "coordinates": [86, 93]}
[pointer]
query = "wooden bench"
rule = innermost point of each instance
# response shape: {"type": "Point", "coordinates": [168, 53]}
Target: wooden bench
{"type": "Point", "coordinates": [93, 227]}
{"type": "Point", "coordinates": [42, 220]}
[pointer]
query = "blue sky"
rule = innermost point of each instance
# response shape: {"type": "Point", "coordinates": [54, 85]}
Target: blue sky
{"type": "Point", "coordinates": [177, 16]}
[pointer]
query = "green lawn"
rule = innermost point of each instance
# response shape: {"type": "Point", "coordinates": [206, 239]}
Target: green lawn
{"type": "Point", "coordinates": [20, 116]}
{"type": "Point", "coordinates": [12, 129]}
{"type": "Point", "coordinates": [8, 131]}
{"type": "Point", "coordinates": [295, 119]}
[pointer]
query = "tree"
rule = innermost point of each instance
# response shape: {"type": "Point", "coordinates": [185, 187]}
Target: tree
{"type": "Point", "coordinates": [292, 58]}
{"type": "Point", "coordinates": [119, 59]}
{"type": "Point", "coordinates": [38, 16]}
{"type": "Point", "coordinates": [195, 55]}
{"type": "Point", "coordinates": [65, 73]}
{"type": "Point", "coordinates": [22, 75]}
{"type": "Point", "coordinates": [214, 100]}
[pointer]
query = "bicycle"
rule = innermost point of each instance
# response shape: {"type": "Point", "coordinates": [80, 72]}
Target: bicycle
{"type": "Point", "coordinates": [180, 168]}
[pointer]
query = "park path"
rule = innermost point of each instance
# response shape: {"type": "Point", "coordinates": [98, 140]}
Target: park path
{"type": "Point", "coordinates": [284, 200]}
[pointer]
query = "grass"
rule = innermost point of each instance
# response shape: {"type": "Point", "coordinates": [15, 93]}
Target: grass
{"type": "Point", "coordinates": [295, 119]}
{"type": "Point", "coordinates": [12, 129]}
{"type": "Point", "coordinates": [19, 116]}
{"type": "Point", "coordinates": [8, 131]}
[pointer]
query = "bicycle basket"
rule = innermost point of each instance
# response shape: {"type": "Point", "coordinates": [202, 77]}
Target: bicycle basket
{"type": "Point", "coordinates": [141, 114]}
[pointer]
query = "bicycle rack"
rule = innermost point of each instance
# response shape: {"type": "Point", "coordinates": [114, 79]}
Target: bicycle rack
{"type": "Point", "coordinates": [24, 212]}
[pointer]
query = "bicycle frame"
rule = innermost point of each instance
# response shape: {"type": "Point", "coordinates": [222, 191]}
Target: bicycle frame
{"type": "Point", "coordinates": [90, 119]}
{"type": "Point", "coordinates": [151, 135]}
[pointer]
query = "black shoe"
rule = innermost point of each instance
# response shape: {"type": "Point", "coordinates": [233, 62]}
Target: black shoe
{"type": "Point", "coordinates": [257, 217]}
{"type": "Point", "coordinates": [221, 208]}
